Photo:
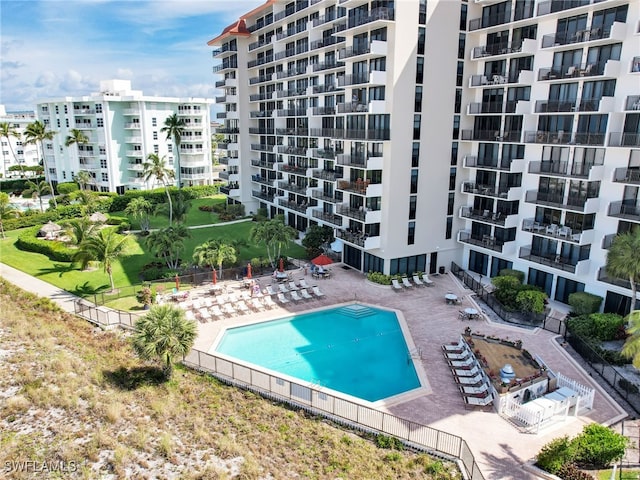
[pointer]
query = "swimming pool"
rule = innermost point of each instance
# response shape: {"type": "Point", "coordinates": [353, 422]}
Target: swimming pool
{"type": "Point", "coordinates": [354, 349]}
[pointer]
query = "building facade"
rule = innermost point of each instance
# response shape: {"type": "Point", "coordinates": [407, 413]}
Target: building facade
{"type": "Point", "coordinates": [124, 127]}
{"type": "Point", "coordinates": [15, 151]}
{"type": "Point", "coordinates": [497, 134]}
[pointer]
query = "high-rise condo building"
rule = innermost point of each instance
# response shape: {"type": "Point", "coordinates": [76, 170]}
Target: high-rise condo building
{"type": "Point", "coordinates": [496, 134]}
{"type": "Point", "coordinates": [15, 151]}
{"type": "Point", "coordinates": [123, 127]}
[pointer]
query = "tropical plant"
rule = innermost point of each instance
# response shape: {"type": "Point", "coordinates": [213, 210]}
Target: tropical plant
{"type": "Point", "coordinates": [179, 208]}
{"type": "Point", "coordinates": [36, 133]}
{"type": "Point", "coordinates": [274, 234]}
{"type": "Point", "coordinates": [6, 211]}
{"type": "Point", "coordinates": [37, 190]}
{"type": "Point", "coordinates": [631, 348]}
{"type": "Point", "coordinates": [623, 260]}
{"type": "Point", "coordinates": [145, 296]}
{"type": "Point", "coordinates": [83, 178]}
{"type": "Point", "coordinates": [315, 237]}
{"type": "Point", "coordinates": [216, 139]}
{"type": "Point", "coordinates": [214, 253]}
{"type": "Point", "coordinates": [156, 167]}
{"type": "Point", "coordinates": [168, 243]}
{"type": "Point", "coordinates": [531, 301]}
{"type": "Point", "coordinates": [584, 303]}
{"type": "Point", "coordinates": [87, 199]}
{"type": "Point", "coordinates": [105, 247]}
{"type": "Point", "coordinates": [174, 127]}
{"type": "Point", "coordinates": [7, 131]}
{"type": "Point", "coordinates": [77, 137]}
{"type": "Point", "coordinates": [79, 229]}
{"type": "Point", "coordinates": [164, 334]}
{"type": "Point", "coordinates": [140, 209]}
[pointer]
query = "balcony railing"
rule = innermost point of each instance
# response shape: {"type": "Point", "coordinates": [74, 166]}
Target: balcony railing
{"type": "Point", "coordinates": [607, 240]}
{"type": "Point", "coordinates": [546, 106]}
{"type": "Point", "coordinates": [561, 137]}
{"type": "Point", "coordinates": [261, 130]}
{"type": "Point", "coordinates": [296, 92]}
{"type": "Point", "coordinates": [326, 42]}
{"type": "Point", "coordinates": [255, 162]}
{"type": "Point", "coordinates": [490, 135]}
{"type": "Point", "coordinates": [330, 175]}
{"type": "Point", "coordinates": [289, 150]}
{"type": "Point", "coordinates": [568, 38]}
{"type": "Point", "coordinates": [627, 175]}
{"type": "Point", "coordinates": [372, 16]}
{"type": "Point", "coordinates": [622, 210]}
{"type": "Point", "coordinates": [352, 160]}
{"type": "Point", "coordinates": [262, 195]}
{"type": "Point", "coordinates": [292, 168]}
{"type": "Point", "coordinates": [318, 67]}
{"type": "Point", "coordinates": [603, 276]}
{"type": "Point", "coordinates": [260, 79]}
{"type": "Point", "coordinates": [357, 238]}
{"type": "Point", "coordinates": [302, 27]}
{"type": "Point", "coordinates": [487, 190]}
{"type": "Point", "coordinates": [325, 153]}
{"type": "Point", "coordinates": [496, 49]}
{"type": "Point", "coordinates": [298, 207]}
{"type": "Point", "coordinates": [320, 195]}
{"type": "Point", "coordinates": [624, 139]}
{"type": "Point", "coordinates": [327, 217]}
{"type": "Point", "coordinates": [292, 187]}
{"type": "Point", "coordinates": [552, 6]}
{"type": "Point", "coordinates": [632, 103]}
{"type": "Point", "coordinates": [559, 262]}
{"type": "Point", "coordinates": [486, 216]}
{"type": "Point", "coordinates": [572, 71]}
{"type": "Point", "coordinates": [262, 180]}
{"type": "Point", "coordinates": [551, 230]}
{"type": "Point", "coordinates": [359, 186]}
{"type": "Point", "coordinates": [571, 202]}
{"type": "Point", "coordinates": [331, 87]}
{"type": "Point", "coordinates": [352, 107]}
{"type": "Point", "coordinates": [302, 132]}
{"type": "Point", "coordinates": [261, 147]}
{"type": "Point", "coordinates": [484, 241]}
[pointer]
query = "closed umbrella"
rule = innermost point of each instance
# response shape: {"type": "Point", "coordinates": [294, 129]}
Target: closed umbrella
{"type": "Point", "coordinates": [281, 266]}
{"type": "Point", "coordinates": [322, 260]}
{"type": "Point", "coordinates": [248, 270]}
{"type": "Point", "coordinates": [214, 276]}
{"type": "Point", "coordinates": [177, 282]}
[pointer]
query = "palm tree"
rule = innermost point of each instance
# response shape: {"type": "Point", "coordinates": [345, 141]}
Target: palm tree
{"type": "Point", "coordinates": [168, 243]}
{"type": "Point", "coordinates": [274, 234]}
{"type": "Point", "coordinates": [80, 229]}
{"type": "Point", "coordinates": [7, 211]}
{"type": "Point", "coordinates": [37, 190]}
{"type": "Point", "coordinates": [156, 167]}
{"type": "Point", "coordinates": [623, 260]}
{"type": "Point", "coordinates": [140, 208]}
{"type": "Point", "coordinates": [77, 137]}
{"type": "Point", "coordinates": [106, 247]}
{"type": "Point", "coordinates": [36, 133]}
{"type": "Point", "coordinates": [83, 178]}
{"type": "Point", "coordinates": [179, 209]}
{"type": "Point", "coordinates": [214, 252]}
{"type": "Point", "coordinates": [6, 131]}
{"type": "Point", "coordinates": [164, 334]}
{"type": "Point", "coordinates": [87, 199]}
{"type": "Point", "coordinates": [631, 348]}
{"type": "Point", "coordinates": [174, 127]}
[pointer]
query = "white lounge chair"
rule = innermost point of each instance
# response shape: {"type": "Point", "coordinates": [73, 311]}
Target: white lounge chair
{"type": "Point", "coordinates": [303, 283]}
{"type": "Point", "coordinates": [470, 381]}
{"type": "Point", "coordinates": [317, 292]}
{"type": "Point", "coordinates": [228, 309]}
{"type": "Point", "coordinates": [458, 356]}
{"type": "Point", "coordinates": [268, 303]}
{"type": "Point", "coordinates": [462, 363]}
{"type": "Point", "coordinates": [305, 294]}
{"type": "Point", "coordinates": [257, 304]}
{"type": "Point", "coordinates": [189, 315]}
{"type": "Point", "coordinates": [295, 297]}
{"type": "Point", "coordinates": [417, 281]}
{"type": "Point", "coordinates": [282, 299]}
{"type": "Point", "coordinates": [204, 314]}
{"type": "Point", "coordinates": [474, 390]}
{"type": "Point", "coordinates": [270, 291]}
{"type": "Point", "coordinates": [283, 288]}
{"type": "Point", "coordinates": [242, 307]}
{"type": "Point", "coordinates": [293, 286]}
{"type": "Point", "coordinates": [478, 402]}
{"type": "Point", "coordinates": [396, 286]}
{"type": "Point", "coordinates": [455, 347]}
{"type": "Point", "coordinates": [427, 281]}
{"type": "Point", "coordinates": [216, 312]}
{"type": "Point", "coordinates": [406, 282]}
{"type": "Point", "coordinates": [467, 373]}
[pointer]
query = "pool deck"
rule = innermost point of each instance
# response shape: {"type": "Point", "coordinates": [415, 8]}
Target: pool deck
{"type": "Point", "coordinates": [500, 449]}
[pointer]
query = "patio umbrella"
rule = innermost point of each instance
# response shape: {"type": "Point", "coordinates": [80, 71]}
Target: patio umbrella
{"type": "Point", "coordinates": [281, 265]}
{"type": "Point", "coordinates": [322, 260]}
{"type": "Point", "coordinates": [214, 276]}
{"type": "Point", "coordinates": [248, 270]}
{"type": "Point", "coordinates": [177, 282]}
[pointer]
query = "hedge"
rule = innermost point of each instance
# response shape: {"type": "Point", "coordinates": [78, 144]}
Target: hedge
{"type": "Point", "coordinates": [584, 303]}
{"type": "Point", "coordinates": [18, 183]}
{"type": "Point", "coordinates": [159, 195]}
{"type": "Point", "coordinates": [53, 249]}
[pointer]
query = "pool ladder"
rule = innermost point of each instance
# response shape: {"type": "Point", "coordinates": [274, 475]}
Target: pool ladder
{"type": "Point", "coordinates": [414, 353]}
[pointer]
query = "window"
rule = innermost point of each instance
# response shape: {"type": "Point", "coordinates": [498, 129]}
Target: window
{"type": "Point", "coordinates": [565, 287]}
{"type": "Point", "coordinates": [454, 153]}
{"type": "Point", "coordinates": [103, 163]}
{"type": "Point", "coordinates": [459, 74]}
{"type": "Point", "coordinates": [414, 181]}
{"type": "Point", "coordinates": [456, 126]}
{"type": "Point", "coordinates": [421, 40]}
{"type": "Point", "coordinates": [418, 100]}
{"type": "Point", "coordinates": [154, 122]}
{"type": "Point", "coordinates": [420, 70]}
{"type": "Point", "coordinates": [458, 101]}
{"type": "Point", "coordinates": [452, 181]}
{"type": "Point", "coordinates": [411, 233]}
{"type": "Point", "coordinates": [156, 149]}
{"type": "Point", "coordinates": [416, 127]}
{"type": "Point", "coordinates": [413, 201]}
{"type": "Point", "coordinates": [463, 16]}
{"type": "Point", "coordinates": [449, 228]}
{"type": "Point", "coordinates": [462, 38]}
{"type": "Point", "coordinates": [155, 135]}
{"type": "Point", "coordinates": [100, 122]}
{"type": "Point", "coordinates": [98, 108]}
{"type": "Point", "coordinates": [450, 201]}
{"type": "Point", "coordinates": [415, 154]}
{"type": "Point", "coordinates": [105, 177]}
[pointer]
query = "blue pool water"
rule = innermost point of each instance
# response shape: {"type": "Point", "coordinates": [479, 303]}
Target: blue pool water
{"type": "Point", "coordinates": [355, 349]}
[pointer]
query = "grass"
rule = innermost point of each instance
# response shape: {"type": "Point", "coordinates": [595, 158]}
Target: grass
{"type": "Point", "coordinates": [78, 394]}
{"type": "Point", "coordinates": [126, 271]}
{"type": "Point", "coordinates": [627, 474]}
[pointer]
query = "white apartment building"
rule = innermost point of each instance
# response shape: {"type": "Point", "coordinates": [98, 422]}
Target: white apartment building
{"type": "Point", "coordinates": [124, 127]}
{"type": "Point", "coordinates": [15, 150]}
{"type": "Point", "coordinates": [496, 134]}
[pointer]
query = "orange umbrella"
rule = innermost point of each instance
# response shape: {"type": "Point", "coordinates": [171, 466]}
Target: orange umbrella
{"type": "Point", "coordinates": [322, 260]}
{"type": "Point", "coordinates": [214, 276]}
{"type": "Point", "coordinates": [248, 270]}
{"type": "Point", "coordinates": [281, 266]}
{"type": "Point", "coordinates": [177, 282]}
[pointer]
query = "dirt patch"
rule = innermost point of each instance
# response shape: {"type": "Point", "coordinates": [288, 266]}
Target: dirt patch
{"type": "Point", "coordinates": [498, 354]}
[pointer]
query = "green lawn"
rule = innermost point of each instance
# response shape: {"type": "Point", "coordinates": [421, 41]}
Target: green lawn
{"type": "Point", "coordinates": [194, 217]}
{"type": "Point", "coordinates": [627, 474]}
{"type": "Point", "coordinates": [126, 272]}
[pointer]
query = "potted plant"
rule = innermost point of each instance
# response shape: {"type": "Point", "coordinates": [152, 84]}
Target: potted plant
{"type": "Point", "coordinates": [145, 297]}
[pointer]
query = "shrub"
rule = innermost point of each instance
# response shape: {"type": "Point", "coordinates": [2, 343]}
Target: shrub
{"type": "Point", "coordinates": [531, 301]}
{"type": "Point", "coordinates": [67, 187]}
{"type": "Point", "coordinates": [627, 386]}
{"type": "Point", "coordinates": [571, 472]}
{"type": "Point", "coordinates": [606, 325]}
{"type": "Point", "coordinates": [555, 454]}
{"type": "Point", "coordinates": [598, 446]}
{"type": "Point", "coordinates": [584, 303]}
{"type": "Point", "coordinates": [384, 441]}
{"type": "Point", "coordinates": [508, 272]}
{"type": "Point", "coordinates": [379, 277]}
{"type": "Point", "coordinates": [53, 249]}
{"type": "Point", "coordinates": [145, 296]}
{"type": "Point", "coordinates": [580, 326]}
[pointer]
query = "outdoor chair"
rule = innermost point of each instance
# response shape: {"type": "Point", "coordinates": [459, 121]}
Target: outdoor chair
{"type": "Point", "coordinates": [270, 290]}
{"type": "Point", "coordinates": [484, 388]}
{"type": "Point", "coordinates": [462, 363]}
{"type": "Point", "coordinates": [293, 286]}
{"type": "Point", "coordinates": [283, 288]}
{"type": "Point", "coordinates": [268, 302]}
{"type": "Point", "coordinates": [467, 373]}
{"type": "Point", "coordinates": [406, 282]}
{"type": "Point", "coordinates": [455, 347]}
{"type": "Point", "coordinates": [305, 294]}
{"type": "Point", "coordinates": [303, 283]}
{"type": "Point", "coordinates": [478, 402]}
{"type": "Point", "coordinates": [282, 299]}
{"type": "Point", "coordinates": [295, 297]}
{"type": "Point", "coordinates": [396, 286]}
{"type": "Point", "coordinates": [470, 381]}
{"type": "Point", "coordinates": [317, 292]}
{"type": "Point", "coordinates": [417, 281]}
{"type": "Point", "coordinates": [458, 356]}
{"type": "Point", "coordinates": [427, 281]}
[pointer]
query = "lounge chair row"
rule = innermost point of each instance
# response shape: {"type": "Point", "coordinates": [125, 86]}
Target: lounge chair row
{"type": "Point", "coordinates": [417, 281]}
{"type": "Point", "coordinates": [218, 312]}
{"type": "Point", "coordinates": [298, 296]}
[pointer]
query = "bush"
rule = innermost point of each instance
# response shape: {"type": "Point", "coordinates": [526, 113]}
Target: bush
{"type": "Point", "coordinates": [18, 184]}
{"type": "Point", "coordinates": [627, 386]}
{"type": "Point", "coordinates": [378, 277]}
{"type": "Point", "coordinates": [508, 272]}
{"type": "Point", "coordinates": [583, 303]}
{"type": "Point", "coordinates": [384, 441]}
{"type": "Point", "coordinates": [66, 188]}
{"type": "Point", "coordinates": [531, 301]}
{"type": "Point", "coordinates": [571, 472]}
{"type": "Point", "coordinates": [598, 446]}
{"type": "Point", "coordinates": [606, 325]}
{"type": "Point", "coordinates": [555, 454]}
{"type": "Point", "coordinates": [53, 249]}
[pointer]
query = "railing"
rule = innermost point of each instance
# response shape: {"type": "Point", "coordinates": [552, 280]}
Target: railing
{"type": "Point", "coordinates": [327, 217]}
{"type": "Point", "coordinates": [621, 210]}
{"type": "Point", "coordinates": [626, 175]}
{"type": "Point", "coordinates": [568, 38]}
{"type": "Point", "coordinates": [262, 195]}
{"type": "Point", "coordinates": [549, 260]}
{"type": "Point", "coordinates": [372, 16]}
{"type": "Point", "coordinates": [484, 241]}
{"type": "Point", "coordinates": [624, 139]}
{"type": "Point", "coordinates": [320, 195]}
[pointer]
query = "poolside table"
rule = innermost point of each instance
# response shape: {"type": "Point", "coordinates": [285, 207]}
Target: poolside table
{"type": "Point", "coordinates": [471, 312]}
{"type": "Point", "coordinates": [451, 298]}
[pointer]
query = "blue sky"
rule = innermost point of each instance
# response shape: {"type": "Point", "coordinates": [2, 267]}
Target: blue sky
{"type": "Point", "coordinates": [54, 48]}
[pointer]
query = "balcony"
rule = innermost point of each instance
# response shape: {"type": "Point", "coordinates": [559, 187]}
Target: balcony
{"type": "Point", "coordinates": [228, 131]}
{"type": "Point", "coordinates": [268, 197]}
{"type": "Point", "coordinates": [134, 153]}
{"type": "Point", "coordinates": [632, 103]}
{"type": "Point", "coordinates": [616, 31]}
{"type": "Point", "coordinates": [325, 132]}
{"type": "Point", "coordinates": [292, 112]}
{"type": "Point", "coordinates": [290, 73]}
{"type": "Point", "coordinates": [319, 67]}
{"type": "Point", "coordinates": [514, 165]}
{"type": "Point", "coordinates": [300, 132]}
{"type": "Point", "coordinates": [82, 125]}
{"type": "Point", "coordinates": [588, 171]}
{"type": "Point", "coordinates": [561, 137]}
{"type": "Point", "coordinates": [262, 147]}
{"type": "Point", "coordinates": [327, 153]}
{"type": "Point", "coordinates": [261, 79]}
{"type": "Point", "coordinates": [371, 16]}
{"type": "Point", "coordinates": [484, 216]}
{"type": "Point", "coordinates": [292, 187]}
{"type": "Point", "coordinates": [484, 241]}
{"type": "Point", "coordinates": [551, 230]}
{"type": "Point", "coordinates": [262, 163]}
{"type": "Point", "coordinates": [579, 203]}
{"type": "Point", "coordinates": [262, 180]}
{"type": "Point", "coordinates": [485, 107]}
{"type": "Point", "coordinates": [578, 70]}
{"type": "Point", "coordinates": [258, 44]}
{"type": "Point", "coordinates": [328, 110]}
{"type": "Point", "coordinates": [352, 107]}
{"type": "Point", "coordinates": [627, 175]}
{"type": "Point", "coordinates": [552, 6]}
{"type": "Point", "coordinates": [261, 131]}
{"type": "Point", "coordinates": [375, 77]}
{"type": "Point", "coordinates": [327, 217]}
{"type": "Point", "coordinates": [374, 48]}
{"type": "Point", "coordinates": [298, 207]}
{"type": "Point", "coordinates": [290, 150]}
{"type": "Point", "coordinates": [260, 61]}
{"type": "Point", "coordinates": [296, 92]}
{"type": "Point", "coordinates": [329, 175]}
{"type": "Point", "coordinates": [330, 87]}
{"type": "Point", "coordinates": [558, 262]}
{"type": "Point", "coordinates": [359, 186]}
{"type": "Point", "coordinates": [319, 194]}
{"type": "Point", "coordinates": [329, 17]}
{"type": "Point", "coordinates": [326, 42]}
{"type": "Point", "coordinates": [490, 135]}
{"type": "Point", "coordinates": [360, 239]}
{"type": "Point", "coordinates": [554, 106]}
{"type": "Point", "coordinates": [224, 66]}
{"type": "Point", "coordinates": [603, 276]}
{"type": "Point", "coordinates": [231, 189]}
{"type": "Point", "coordinates": [496, 49]}
{"type": "Point", "coordinates": [224, 49]}
{"type": "Point", "coordinates": [294, 169]}
{"type": "Point", "coordinates": [503, 192]}
{"type": "Point", "coordinates": [607, 240]}
{"type": "Point", "coordinates": [624, 139]}
{"type": "Point", "coordinates": [622, 210]}
{"type": "Point", "coordinates": [289, 32]}
{"type": "Point", "coordinates": [133, 140]}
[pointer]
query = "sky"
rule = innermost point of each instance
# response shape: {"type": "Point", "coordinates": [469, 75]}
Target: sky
{"type": "Point", "coordinates": [58, 48]}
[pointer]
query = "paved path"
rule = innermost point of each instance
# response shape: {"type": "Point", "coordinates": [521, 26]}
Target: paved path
{"type": "Point", "coordinates": [499, 448]}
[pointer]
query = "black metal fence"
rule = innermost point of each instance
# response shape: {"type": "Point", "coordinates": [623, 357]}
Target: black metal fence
{"type": "Point", "coordinates": [610, 373]}
{"type": "Point", "coordinates": [519, 318]}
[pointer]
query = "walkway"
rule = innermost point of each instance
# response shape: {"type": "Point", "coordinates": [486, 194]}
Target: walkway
{"type": "Point", "coordinates": [499, 448]}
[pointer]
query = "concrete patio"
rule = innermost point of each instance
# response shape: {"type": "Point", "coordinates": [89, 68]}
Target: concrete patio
{"type": "Point", "coordinates": [500, 448]}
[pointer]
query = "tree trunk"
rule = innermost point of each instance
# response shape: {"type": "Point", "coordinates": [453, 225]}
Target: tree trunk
{"type": "Point", "coordinates": [178, 162]}
{"type": "Point", "coordinates": [113, 287]}
{"type": "Point", "coordinates": [634, 295]}
{"type": "Point", "coordinates": [48, 176]}
{"type": "Point", "coordinates": [166, 189]}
